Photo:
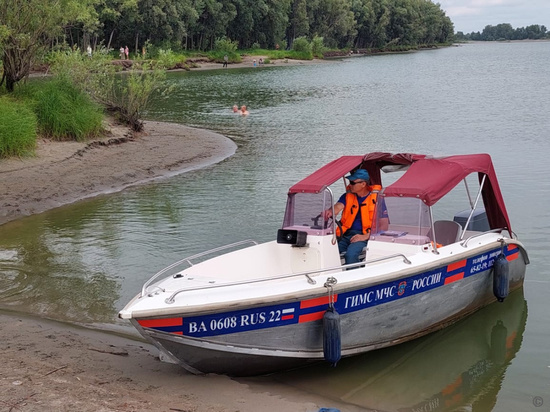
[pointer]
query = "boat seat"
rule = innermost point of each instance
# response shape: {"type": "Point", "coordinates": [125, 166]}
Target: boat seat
{"type": "Point", "coordinates": [446, 232]}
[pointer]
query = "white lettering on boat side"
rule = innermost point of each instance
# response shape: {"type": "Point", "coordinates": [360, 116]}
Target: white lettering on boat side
{"type": "Point", "coordinates": [426, 281]}
{"type": "Point", "coordinates": [230, 323]}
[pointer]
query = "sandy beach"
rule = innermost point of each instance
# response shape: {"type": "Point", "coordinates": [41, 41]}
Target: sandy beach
{"type": "Point", "coordinates": [49, 366]}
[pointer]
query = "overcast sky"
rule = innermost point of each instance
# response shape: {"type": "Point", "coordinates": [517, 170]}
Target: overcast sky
{"type": "Point", "coordinates": [474, 15]}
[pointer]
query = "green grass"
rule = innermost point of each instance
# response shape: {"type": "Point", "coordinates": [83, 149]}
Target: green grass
{"type": "Point", "coordinates": [279, 54]}
{"type": "Point", "coordinates": [65, 113]}
{"type": "Point", "coordinates": [18, 126]}
{"type": "Point", "coordinates": [218, 55]}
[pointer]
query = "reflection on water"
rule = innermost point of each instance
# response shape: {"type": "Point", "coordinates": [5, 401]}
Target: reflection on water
{"type": "Point", "coordinates": [59, 270]}
{"type": "Point", "coordinates": [461, 366]}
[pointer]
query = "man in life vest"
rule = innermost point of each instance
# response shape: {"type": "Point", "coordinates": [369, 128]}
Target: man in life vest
{"type": "Point", "coordinates": [357, 207]}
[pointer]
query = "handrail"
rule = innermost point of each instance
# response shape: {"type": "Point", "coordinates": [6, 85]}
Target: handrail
{"type": "Point", "coordinates": [170, 299]}
{"type": "Point", "coordinates": [464, 243]}
{"type": "Point", "coordinates": [188, 260]}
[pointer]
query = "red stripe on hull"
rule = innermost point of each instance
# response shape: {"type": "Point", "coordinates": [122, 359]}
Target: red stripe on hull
{"type": "Point", "coordinates": [454, 278]}
{"type": "Point", "coordinates": [155, 323]}
{"type": "Point", "coordinates": [456, 265]}
{"type": "Point", "coordinates": [311, 303]}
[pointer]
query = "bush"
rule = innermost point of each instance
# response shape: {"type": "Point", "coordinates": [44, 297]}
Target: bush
{"type": "Point", "coordinates": [225, 44]}
{"type": "Point", "coordinates": [167, 59]}
{"type": "Point", "coordinates": [66, 113]}
{"type": "Point", "coordinates": [129, 95]}
{"type": "Point", "coordinates": [17, 128]}
{"type": "Point", "coordinates": [301, 44]}
{"type": "Point", "coordinates": [317, 46]}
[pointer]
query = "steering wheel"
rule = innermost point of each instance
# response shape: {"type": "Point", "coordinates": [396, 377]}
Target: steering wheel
{"type": "Point", "coordinates": [316, 224]}
{"type": "Point", "coordinates": [327, 224]}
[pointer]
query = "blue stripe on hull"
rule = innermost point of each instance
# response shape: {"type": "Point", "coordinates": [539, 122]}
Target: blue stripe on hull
{"type": "Point", "coordinates": [348, 302]}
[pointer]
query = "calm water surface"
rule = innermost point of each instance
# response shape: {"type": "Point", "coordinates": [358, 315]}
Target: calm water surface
{"type": "Point", "coordinates": [83, 262]}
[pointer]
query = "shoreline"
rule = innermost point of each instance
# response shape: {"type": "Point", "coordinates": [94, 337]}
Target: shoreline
{"type": "Point", "coordinates": [66, 172]}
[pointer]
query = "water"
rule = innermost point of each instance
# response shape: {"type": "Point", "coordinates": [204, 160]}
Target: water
{"type": "Point", "coordinates": [83, 262]}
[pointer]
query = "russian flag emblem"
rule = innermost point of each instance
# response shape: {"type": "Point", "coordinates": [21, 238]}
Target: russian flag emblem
{"type": "Point", "coordinates": [287, 314]}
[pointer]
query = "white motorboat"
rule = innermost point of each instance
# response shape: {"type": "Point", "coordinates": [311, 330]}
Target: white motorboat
{"type": "Point", "coordinates": [264, 307]}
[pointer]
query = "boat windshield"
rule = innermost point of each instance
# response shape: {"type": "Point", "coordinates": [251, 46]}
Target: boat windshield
{"type": "Point", "coordinates": [402, 220]}
{"type": "Point", "coordinates": [304, 212]}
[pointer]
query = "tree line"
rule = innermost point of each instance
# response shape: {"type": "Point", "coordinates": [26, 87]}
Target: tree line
{"type": "Point", "coordinates": [30, 28]}
{"type": "Point", "coordinates": [505, 31]}
{"type": "Point", "coordinates": [196, 24]}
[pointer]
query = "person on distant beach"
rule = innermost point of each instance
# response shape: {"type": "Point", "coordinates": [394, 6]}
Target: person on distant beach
{"type": "Point", "coordinates": [254, 62]}
{"type": "Point", "coordinates": [89, 50]}
{"type": "Point", "coordinates": [235, 108]}
{"type": "Point", "coordinates": [225, 59]}
{"type": "Point", "coordinates": [126, 52]}
{"type": "Point", "coordinates": [261, 62]}
{"type": "Point", "coordinates": [121, 51]}
{"type": "Point", "coordinates": [244, 112]}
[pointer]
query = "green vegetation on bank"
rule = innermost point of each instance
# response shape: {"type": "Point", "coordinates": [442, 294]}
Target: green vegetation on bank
{"type": "Point", "coordinates": [505, 31]}
{"type": "Point", "coordinates": [65, 113]}
{"type": "Point", "coordinates": [70, 104]}
{"type": "Point", "coordinates": [18, 125]}
{"type": "Point", "coordinates": [54, 109]}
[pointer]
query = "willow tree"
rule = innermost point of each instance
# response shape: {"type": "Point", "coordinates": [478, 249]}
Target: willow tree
{"type": "Point", "coordinates": [27, 27]}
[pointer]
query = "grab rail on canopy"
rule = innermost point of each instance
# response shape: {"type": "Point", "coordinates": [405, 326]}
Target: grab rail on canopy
{"type": "Point", "coordinates": [307, 274]}
{"type": "Point", "coordinates": [188, 261]}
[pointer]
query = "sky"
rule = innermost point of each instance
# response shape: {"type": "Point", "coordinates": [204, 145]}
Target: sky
{"type": "Point", "coordinates": [474, 15]}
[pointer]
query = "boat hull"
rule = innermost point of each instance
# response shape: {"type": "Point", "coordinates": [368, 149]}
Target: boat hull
{"type": "Point", "coordinates": [265, 338]}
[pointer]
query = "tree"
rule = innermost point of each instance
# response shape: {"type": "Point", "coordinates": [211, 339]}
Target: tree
{"type": "Point", "coordinates": [299, 24]}
{"type": "Point", "coordinates": [117, 15]}
{"type": "Point", "coordinates": [272, 27]}
{"type": "Point", "coordinates": [333, 20]}
{"type": "Point", "coordinates": [28, 27]}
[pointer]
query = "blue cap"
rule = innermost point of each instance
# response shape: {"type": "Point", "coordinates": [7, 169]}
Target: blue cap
{"type": "Point", "coordinates": [359, 174]}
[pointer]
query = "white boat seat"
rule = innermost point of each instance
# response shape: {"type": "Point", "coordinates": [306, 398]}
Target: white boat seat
{"type": "Point", "coordinates": [446, 232]}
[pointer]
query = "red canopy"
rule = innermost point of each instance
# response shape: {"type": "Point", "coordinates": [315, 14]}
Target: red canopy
{"type": "Point", "coordinates": [427, 178]}
{"type": "Point", "coordinates": [327, 175]}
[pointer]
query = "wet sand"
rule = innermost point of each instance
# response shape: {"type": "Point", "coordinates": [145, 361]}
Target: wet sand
{"type": "Point", "coordinates": [50, 367]}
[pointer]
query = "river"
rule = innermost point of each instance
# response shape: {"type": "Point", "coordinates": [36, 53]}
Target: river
{"type": "Point", "coordinates": [81, 263]}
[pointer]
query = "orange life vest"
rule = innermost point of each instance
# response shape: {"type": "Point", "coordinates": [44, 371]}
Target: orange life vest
{"type": "Point", "coordinates": [352, 207]}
